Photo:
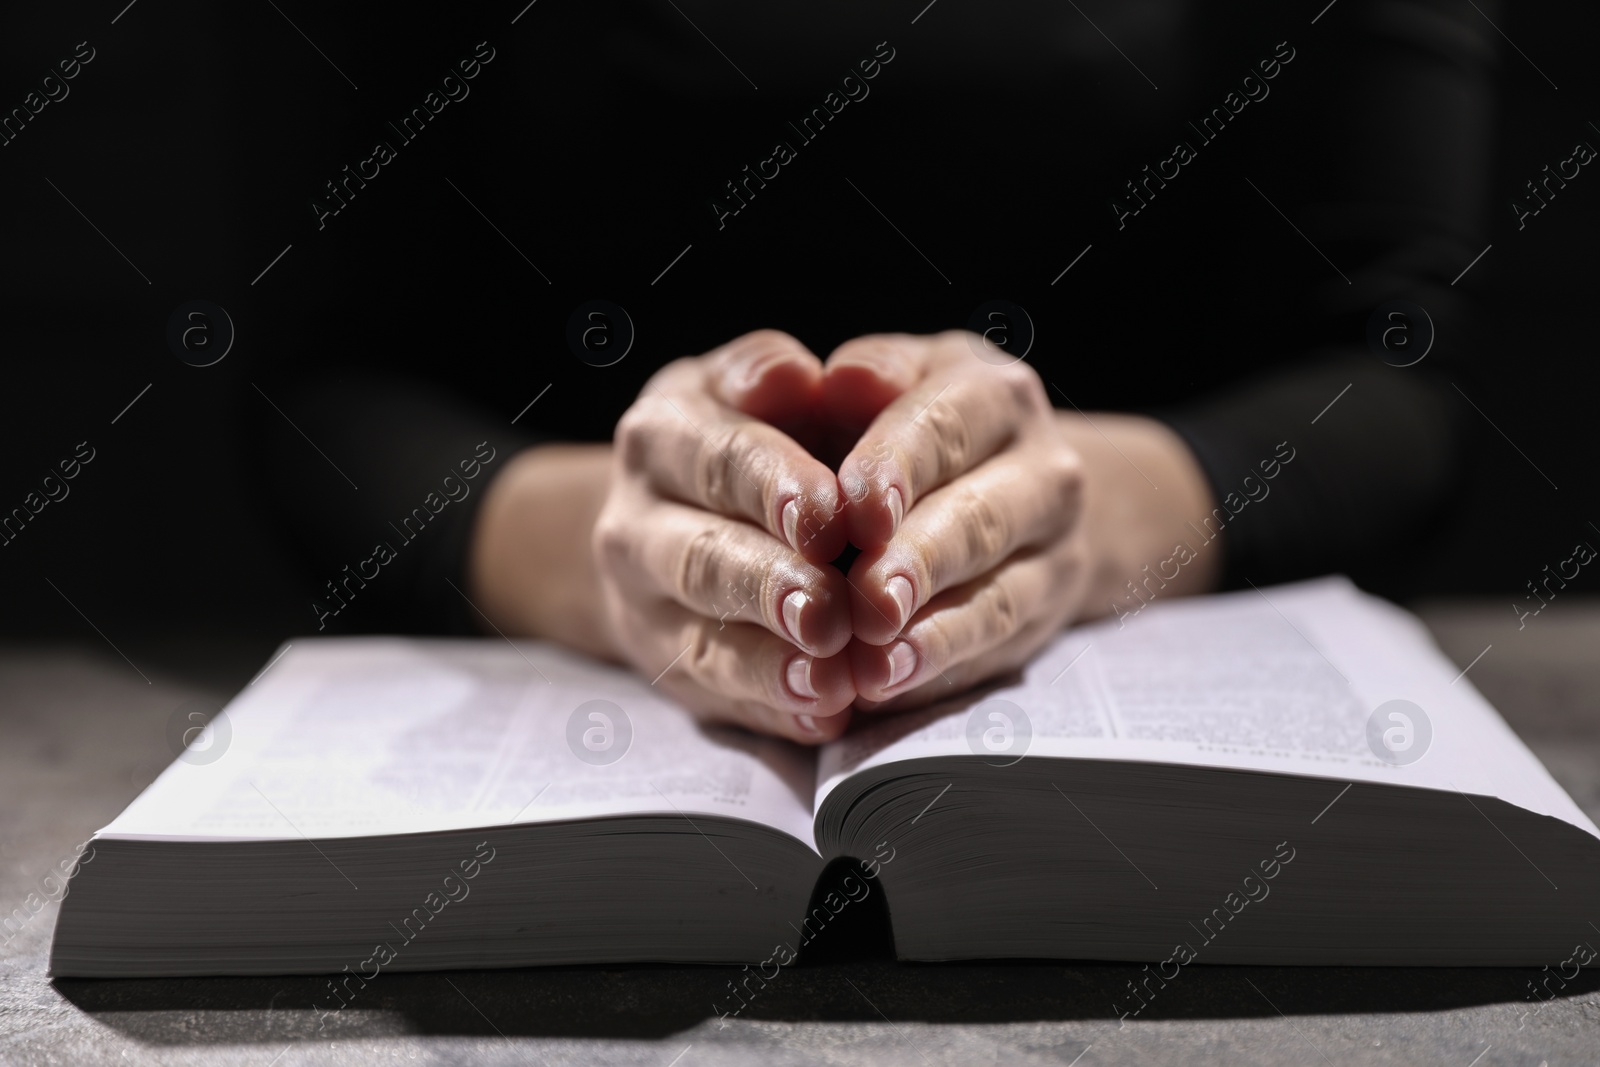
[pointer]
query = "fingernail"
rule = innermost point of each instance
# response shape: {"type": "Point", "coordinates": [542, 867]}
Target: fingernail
{"type": "Point", "coordinates": [793, 605]}
{"type": "Point", "coordinates": [902, 661]}
{"type": "Point", "coordinates": [799, 675]}
{"type": "Point", "coordinates": [807, 724]}
{"type": "Point", "coordinates": [791, 524]}
{"type": "Point", "coordinates": [896, 509]}
{"type": "Point", "coordinates": [900, 588]}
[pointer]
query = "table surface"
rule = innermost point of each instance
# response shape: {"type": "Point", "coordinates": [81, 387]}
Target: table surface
{"type": "Point", "coordinates": [82, 731]}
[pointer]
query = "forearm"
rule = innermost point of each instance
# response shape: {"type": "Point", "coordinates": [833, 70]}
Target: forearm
{"type": "Point", "coordinates": [1143, 490]}
{"type": "Point", "coordinates": [531, 569]}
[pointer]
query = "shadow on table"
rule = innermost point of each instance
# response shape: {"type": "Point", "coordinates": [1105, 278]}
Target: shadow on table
{"type": "Point", "coordinates": [648, 1002]}
{"type": "Point", "coordinates": [848, 978]}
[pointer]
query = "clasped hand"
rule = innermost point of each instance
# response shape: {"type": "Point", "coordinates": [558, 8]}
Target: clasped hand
{"type": "Point", "coordinates": [716, 542]}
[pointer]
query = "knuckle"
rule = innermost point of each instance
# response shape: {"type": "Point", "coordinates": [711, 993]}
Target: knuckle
{"type": "Point", "coordinates": [716, 468]}
{"type": "Point", "coordinates": [950, 436]}
{"type": "Point", "coordinates": [611, 542]}
{"type": "Point", "coordinates": [1064, 479]}
{"type": "Point", "coordinates": [672, 374]}
{"type": "Point", "coordinates": [952, 347]}
{"type": "Point", "coordinates": [1002, 615]}
{"type": "Point", "coordinates": [747, 600]}
{"type": "Point", "coordinates": [986, 528]}
{"type": "Point", "coordinates": [633, 435]}
{"type": "Point", "coordinates": [676, 369]}
{"type": "Point", "coordinates": [1024, 388]}
{"type": "Point", "coordinates": [991, 618]}
{"type": "Point", "coordinates": [698, 565]}
{"type": "Point", "coordinates": [700, 657]}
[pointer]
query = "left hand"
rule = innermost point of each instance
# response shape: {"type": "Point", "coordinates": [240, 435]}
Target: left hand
{"type": "Point", "coordinates": [965, 497]}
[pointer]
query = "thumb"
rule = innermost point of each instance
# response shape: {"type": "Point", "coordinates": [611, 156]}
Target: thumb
{"type": "Point", "coordinates": [863, 376]}
{"type": "Point", "coordinates": [767, 375]}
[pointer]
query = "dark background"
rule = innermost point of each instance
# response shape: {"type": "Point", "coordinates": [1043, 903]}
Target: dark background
{"type": "Point", "coordinates": [198, 135]}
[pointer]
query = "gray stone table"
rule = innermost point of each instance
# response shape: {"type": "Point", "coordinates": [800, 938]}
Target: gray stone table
{"type": "Point", "coordinates": [81, 732]}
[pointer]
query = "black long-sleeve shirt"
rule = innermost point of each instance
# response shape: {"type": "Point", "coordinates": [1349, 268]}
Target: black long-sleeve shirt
{"type": "Point", "coordinates": [1200, 207]}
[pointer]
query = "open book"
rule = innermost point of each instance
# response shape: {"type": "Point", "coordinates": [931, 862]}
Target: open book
{"type": "Point", "coordinates": [1287, 776]}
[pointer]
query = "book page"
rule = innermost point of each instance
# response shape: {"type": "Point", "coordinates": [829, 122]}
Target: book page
{"type": "Point", "coordinates": [1283, 679]}
{"type": "Point", "coordinates": [349, 737]}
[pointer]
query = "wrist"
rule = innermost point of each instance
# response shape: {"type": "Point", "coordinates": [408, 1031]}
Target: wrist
{"type": "Point", "coordinates": [1145, 498]}
{"type": "Point", "coordinates": [530, 568]}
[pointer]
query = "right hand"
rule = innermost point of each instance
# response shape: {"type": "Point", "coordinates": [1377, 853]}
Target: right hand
{"type": "Point", "coordinates": [714, 542]}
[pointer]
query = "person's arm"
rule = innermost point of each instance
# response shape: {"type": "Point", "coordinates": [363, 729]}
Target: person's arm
{"type": "Point", "coordinates": [376, 480]}
{"type": "Point", "coordinates": [1385, 171]}
{"type": "Point", "coordinates": [1146, 519]}
{"type": "Point", "coordinates": [530, 565]}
